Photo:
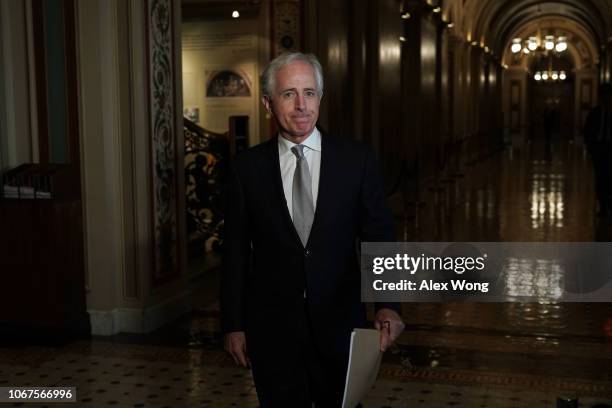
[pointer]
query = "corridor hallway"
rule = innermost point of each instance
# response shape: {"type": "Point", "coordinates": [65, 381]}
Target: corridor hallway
{"type": "Point", "coordinates": [466, 355]}
{"type": "Point", "coordinates": [537, 192]}
{"type": "Point", "coordinates": [120, 118]}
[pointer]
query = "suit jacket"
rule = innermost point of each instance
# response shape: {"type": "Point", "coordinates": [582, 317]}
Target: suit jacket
{"type": "Point", "coordinates": [266, 267]}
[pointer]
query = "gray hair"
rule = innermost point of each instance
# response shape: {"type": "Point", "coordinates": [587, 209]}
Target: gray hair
{"type": "Point", "coordinates": [268, 77]}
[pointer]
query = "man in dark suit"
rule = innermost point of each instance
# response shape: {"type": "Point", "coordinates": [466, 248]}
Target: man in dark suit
{"type": "Point", "coordinates": [598, 139]}
{"type": "Point", "coordinates": [298, 204]}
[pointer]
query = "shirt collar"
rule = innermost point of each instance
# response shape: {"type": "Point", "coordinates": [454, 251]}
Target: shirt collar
{"type": "Point", "coordinates": [312, 142]}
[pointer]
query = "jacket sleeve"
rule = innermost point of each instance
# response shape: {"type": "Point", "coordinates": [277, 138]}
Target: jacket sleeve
{"type": "Point", "coordinates": [236, 257]}
{"type": "Point", "coordinates": [377, 222]}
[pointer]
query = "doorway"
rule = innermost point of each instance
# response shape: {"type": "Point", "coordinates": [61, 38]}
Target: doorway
{"type": "Point", "coordinates": [551, 93]}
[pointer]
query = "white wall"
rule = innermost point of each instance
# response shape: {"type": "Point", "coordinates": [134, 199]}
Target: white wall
{"type": "Point", "coordinates": [210, 46]}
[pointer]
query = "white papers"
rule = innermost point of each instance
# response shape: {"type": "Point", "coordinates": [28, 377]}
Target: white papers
{"type": "Point", "coordinates": [364, 362]}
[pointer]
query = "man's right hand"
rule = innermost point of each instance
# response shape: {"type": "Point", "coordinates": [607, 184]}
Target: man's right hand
{"type": "Point", "coordinates": [235, 344]}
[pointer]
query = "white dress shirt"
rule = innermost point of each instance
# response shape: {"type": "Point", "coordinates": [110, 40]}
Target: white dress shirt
{"type": "Point", "coordinates": [288, 161]}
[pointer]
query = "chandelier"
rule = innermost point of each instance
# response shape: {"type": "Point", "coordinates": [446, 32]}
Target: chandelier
{"type": "Point", "coordinates": [550, 76]}
{"type": "Point", "coordinates": [533, 44]}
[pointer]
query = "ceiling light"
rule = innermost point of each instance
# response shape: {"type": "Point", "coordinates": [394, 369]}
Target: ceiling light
{"type": "Point", "coordinates": [537, 76]}
{"type": "Point", "coordinates": [561, 44]}
{"type": "Point", "coordinates": [545, 76]}
{"type": "Point", "coordinates": [525, 50]}
{"type": "Point", "coordinates": [450, 25]}
{"type": "Point", "coordinates": [562, 75]}
{"type": "Point", "coordinates": [402, 38]}
{"type": "Point", "coordinates": [536, 44]}
{"type": "Point", "coordinates": [406, 15]}
{"type": "Point", "coordinates": [437, 10]}
{"type": "Point", "coordinates": [235, 14]}
{"type": "Point", "coordinates": [555, 75]}
{"type": "Point", "coordinates": [532, 43]}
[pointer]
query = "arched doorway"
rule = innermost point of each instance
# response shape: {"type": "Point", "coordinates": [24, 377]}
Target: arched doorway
{"type": "Point", "coordinates": [551, 91]}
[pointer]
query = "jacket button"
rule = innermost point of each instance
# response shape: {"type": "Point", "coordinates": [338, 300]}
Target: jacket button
{"type": "Point", "coordinates": [307, 253]}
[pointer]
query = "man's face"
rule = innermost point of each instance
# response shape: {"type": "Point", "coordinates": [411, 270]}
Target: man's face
{"type": "Point", "coordinates": [295, 102]}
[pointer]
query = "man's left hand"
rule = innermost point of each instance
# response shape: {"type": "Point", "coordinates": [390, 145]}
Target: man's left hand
{"type": "Point", "coordinates": [390, 325]}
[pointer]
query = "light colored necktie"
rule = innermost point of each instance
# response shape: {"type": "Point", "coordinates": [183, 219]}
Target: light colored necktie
{"type": "Point", "coordinates": [303, 207]}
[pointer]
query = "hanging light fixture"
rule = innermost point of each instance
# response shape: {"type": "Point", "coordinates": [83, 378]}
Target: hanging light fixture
{"type": "Point", "coordinates": [561, 44]}
{"type": "Point", "coordinates": [532, 43]}
{"type": "Point", "coordinates": [549, 76]}
{"type": "Point", "coordinates": [535, 44]}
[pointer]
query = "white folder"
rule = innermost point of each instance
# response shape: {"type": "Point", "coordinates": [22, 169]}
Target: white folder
{"type": "Point", "coordinates": [363, 365]}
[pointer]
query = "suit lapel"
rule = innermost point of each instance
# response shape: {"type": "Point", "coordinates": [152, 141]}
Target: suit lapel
{"type": "Point", "coordinates": [275, 174]}
{"type": "Point", "coordinates": [326, 183]}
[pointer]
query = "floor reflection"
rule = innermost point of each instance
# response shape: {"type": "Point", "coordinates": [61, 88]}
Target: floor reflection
{"type": "Point", "coordinates": [529, 194]}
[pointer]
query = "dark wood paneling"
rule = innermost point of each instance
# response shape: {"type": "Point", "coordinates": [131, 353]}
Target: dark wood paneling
{"type": "Point", "coordinates": [390, 88]}
{"type": "Point", "coordinates": [411, 107]}
{"type": "Point", "coordinates": [515, 106]}
{"type": "Point", "coordinates": [371, 99]}
{"type": "Point", "coordinates": [332, 50]}
{"type": "Point", "coordinates": [358, 93]}
{"type": "Point", "coordinates": [429, 136]}
{"type": "Point", "coordinates": [42, 270]}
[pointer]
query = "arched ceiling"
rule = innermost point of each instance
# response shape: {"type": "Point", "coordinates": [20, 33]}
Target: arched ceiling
{"type": "Point", "coordinates": [495, 22]}
{"type": "Point", "coordinates": [580, 43]}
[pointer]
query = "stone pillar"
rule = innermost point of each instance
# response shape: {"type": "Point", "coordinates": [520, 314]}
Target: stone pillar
{"type": "Point", "coordinates": [132, 163]}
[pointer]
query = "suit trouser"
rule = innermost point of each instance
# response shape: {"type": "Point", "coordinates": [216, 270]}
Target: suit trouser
{"type": "Point", "coordinates": [302, 377]}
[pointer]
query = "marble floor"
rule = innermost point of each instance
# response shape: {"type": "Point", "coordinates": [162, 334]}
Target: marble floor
{"type": "Point", "coordinates": [497, 355]}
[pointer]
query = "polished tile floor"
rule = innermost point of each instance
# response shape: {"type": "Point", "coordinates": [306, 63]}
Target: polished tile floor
{"type": "Point", "coordinates": [466, 355]}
